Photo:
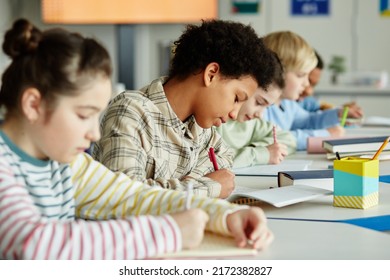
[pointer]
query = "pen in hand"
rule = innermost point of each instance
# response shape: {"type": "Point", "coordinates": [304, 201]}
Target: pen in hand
{"type": "Point", "coordinates": [344, 117]}
{"type": "Point", "coordinates": [274, 134]}
{"type": "Point", "coordinates": [213, 158]}
{"type": "Point", "coordinates": [189, 195]}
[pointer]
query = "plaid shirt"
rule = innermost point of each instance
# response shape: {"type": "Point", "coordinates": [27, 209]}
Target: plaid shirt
{"type": "Point", "coordinates": [143, 137]}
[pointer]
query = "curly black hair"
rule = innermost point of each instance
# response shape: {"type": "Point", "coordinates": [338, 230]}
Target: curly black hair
{"type": "Point", "coordinates": [236, 47]}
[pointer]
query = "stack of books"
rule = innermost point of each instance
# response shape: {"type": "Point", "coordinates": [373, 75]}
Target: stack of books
{"type": "Point", "coordinates": [359, 147]}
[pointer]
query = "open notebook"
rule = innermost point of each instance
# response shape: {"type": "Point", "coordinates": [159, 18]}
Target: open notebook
{"type": "Point", "coordinates": [212, 246]}
{"type": "Point", "coordinates": [278, 197]}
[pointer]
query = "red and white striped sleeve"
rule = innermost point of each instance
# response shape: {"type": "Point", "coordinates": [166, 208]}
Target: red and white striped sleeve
{"type": "Point", "coordinates": [26, 234]}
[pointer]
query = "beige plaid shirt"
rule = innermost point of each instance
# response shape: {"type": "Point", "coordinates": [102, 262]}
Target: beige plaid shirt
{"type": "Point", "coordinates": [143, 137]}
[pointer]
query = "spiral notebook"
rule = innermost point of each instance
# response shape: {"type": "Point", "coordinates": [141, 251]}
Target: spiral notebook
{"type": "Point", "coordinates": [278, 197]}
{"type": "Point", "coordinates": [212, 246]}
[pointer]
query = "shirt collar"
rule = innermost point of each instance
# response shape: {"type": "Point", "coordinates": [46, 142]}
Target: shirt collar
{"type": "Point", "coordinates": [155, 92]}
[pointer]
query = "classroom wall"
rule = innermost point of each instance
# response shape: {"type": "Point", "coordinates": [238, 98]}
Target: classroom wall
{"type": "Point", "coordinates": [30, 9]}
{"type": "Point", "coordinates": [354, 29]}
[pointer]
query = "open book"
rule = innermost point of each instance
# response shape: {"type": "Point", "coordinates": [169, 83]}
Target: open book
{"type": "Point", "coordinates": [277, 197]}
{"type": "Point", "coordinates": [212, 246]}
{"type": "Point", "coordinates": [273, 169]}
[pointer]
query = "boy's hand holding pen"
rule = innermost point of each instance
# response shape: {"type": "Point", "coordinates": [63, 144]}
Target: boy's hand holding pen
{"type": "Point", "coordinates": [224, 177]}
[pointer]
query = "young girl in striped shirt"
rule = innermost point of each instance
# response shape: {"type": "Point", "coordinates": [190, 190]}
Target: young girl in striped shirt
{"type": "Point", "coordinates": [58, 203]}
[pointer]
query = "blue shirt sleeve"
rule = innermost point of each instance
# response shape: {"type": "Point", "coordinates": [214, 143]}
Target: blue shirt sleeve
{"type": "Point", "coordinates": [310, 104]}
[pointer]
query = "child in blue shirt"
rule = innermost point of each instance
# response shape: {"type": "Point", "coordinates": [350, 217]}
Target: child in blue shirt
{"type": "Point", "coordinates": [298, 59]}
{"type": "Point", "coordinates": [310, 103]}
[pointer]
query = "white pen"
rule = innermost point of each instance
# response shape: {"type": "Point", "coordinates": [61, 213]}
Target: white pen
{"type": "Point", "coordinates": [189, 195]}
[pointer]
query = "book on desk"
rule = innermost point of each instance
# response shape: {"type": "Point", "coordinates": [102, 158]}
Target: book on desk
{"type": "Point", "coordinates": [315, 143]}
{"type": "Point", "coordinates": [355, 145]}
{"type": "Point", "coordinates": [315, 178]}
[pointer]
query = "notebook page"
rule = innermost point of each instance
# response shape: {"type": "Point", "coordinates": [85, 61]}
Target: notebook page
{"type": "Point", "coordinates": [213, 245]}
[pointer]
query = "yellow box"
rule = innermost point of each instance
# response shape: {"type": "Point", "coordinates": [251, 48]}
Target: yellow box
{"type": "Point", "coordinates": [356, 182]}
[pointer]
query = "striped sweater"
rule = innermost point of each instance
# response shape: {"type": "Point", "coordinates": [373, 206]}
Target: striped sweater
{"type": "Point", "coordinates": [83, 210]}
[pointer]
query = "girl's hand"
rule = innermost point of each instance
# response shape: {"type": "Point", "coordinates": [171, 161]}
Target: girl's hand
{"type": "Point", "coordinates": [277, 153]}
{"type": "Point", "coordinates": [336, 130]}
{"type": "Point", "coordinates": [249, 226]}
{"type": "Point", "coordinates": [192, 225]}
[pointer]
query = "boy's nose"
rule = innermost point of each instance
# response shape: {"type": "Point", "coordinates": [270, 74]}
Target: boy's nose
{"type": "Point", "coordinates": [94, 134]}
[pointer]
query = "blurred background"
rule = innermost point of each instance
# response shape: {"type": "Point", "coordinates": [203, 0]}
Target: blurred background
{"type": "Point", "coordinates": [138, 34]}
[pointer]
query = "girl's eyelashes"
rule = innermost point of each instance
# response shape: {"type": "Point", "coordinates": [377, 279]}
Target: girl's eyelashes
{"type": "Point", "coordinates": [261, 102]}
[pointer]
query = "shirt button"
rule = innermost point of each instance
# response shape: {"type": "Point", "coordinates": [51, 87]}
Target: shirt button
{"type": "Point", "coordinates": [191, 149]}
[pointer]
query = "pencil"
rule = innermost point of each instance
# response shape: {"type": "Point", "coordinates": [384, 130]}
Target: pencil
{"type": "Point", "coordinates": [274, 134]}
{"type": "Point", "coordinates": [189, 195]}
{"type": "Point", "coordinates": [381, 148]}
{"type": "Point", "coordinates": [344, 117]}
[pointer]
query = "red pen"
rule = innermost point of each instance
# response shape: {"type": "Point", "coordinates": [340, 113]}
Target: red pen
{"type": "Point", "coordinates": [213, 158]}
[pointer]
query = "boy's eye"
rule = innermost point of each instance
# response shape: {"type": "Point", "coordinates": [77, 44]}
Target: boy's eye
{"type": "Point", "coordinates": [82, 117]}
{"type": "Point", "coordinates": [236, 100]}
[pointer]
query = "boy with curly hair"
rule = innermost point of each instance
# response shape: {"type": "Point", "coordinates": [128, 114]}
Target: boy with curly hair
{"type": "Point", "coordinates": [163, 131]}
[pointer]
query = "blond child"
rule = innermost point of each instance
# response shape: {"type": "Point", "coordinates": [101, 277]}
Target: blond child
{"type": "Point", "coordinates": [298, 59]}
{"type": "Point", "coordinates": [56, 202]}
{"type": "Point", "coordinates": [308, 102]}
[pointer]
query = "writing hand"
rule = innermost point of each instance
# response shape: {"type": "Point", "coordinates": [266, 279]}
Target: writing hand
{"type": "Point", "coordinates": [249, 226]}
{"type": "Point", "coordinates": [226, 178]}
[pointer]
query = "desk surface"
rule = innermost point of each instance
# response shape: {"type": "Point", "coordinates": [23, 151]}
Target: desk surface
{"type": "Point", "coordinates": [296, 239]}
{"type": "Point", "coordinates": [320, 208]}
{"type": "Point", "coordinates": [300, 240]}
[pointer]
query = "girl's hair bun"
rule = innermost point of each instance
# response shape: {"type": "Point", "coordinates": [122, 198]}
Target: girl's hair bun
{"type": "Point", "coordinates": [22, 39]}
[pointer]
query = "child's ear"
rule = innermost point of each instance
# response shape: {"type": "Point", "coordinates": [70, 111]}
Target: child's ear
{"type": "Point", "coordinates": [211, 71]}
{"type": "Point", "coordinates": [31, 104]}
